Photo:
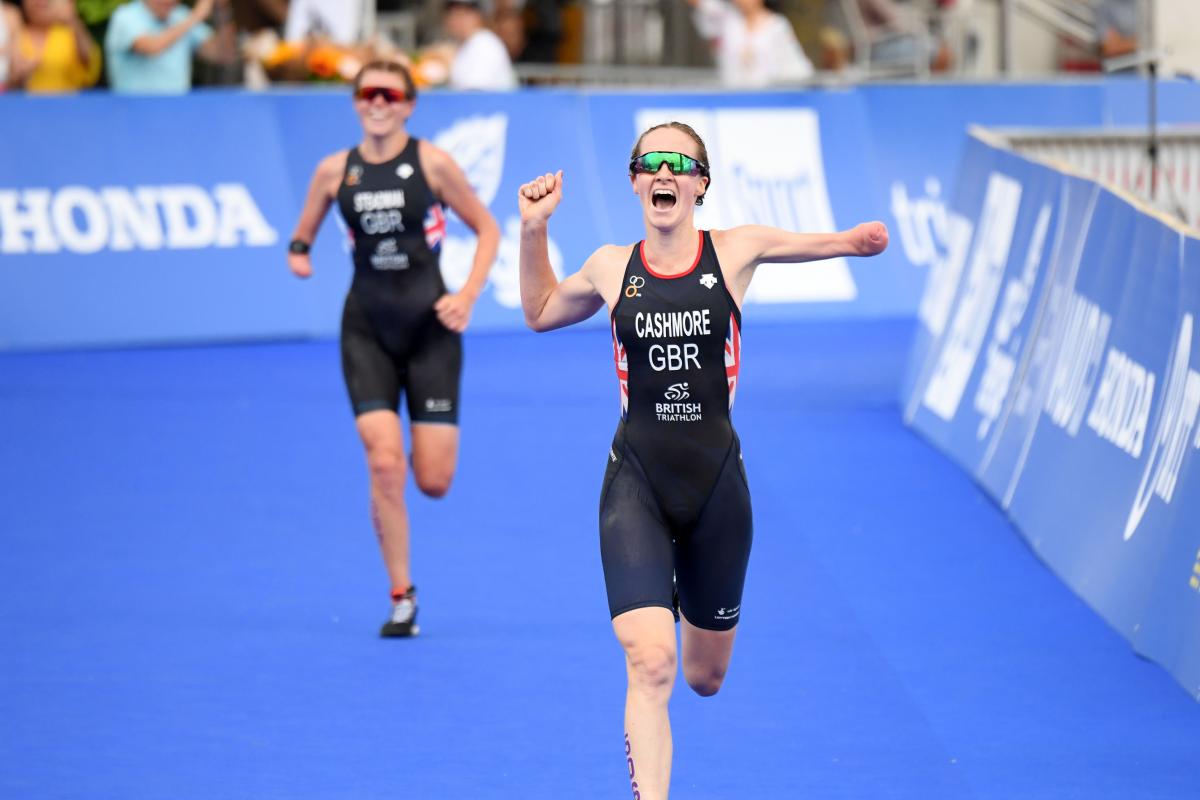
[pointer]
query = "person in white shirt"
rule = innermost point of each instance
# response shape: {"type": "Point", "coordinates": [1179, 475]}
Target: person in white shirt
{"type": "Point", "coordinates": [482, 60]}
{"type": "Point", "coordinates": [753, 45]}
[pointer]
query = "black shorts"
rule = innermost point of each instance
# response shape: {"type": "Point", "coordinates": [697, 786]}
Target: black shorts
{"type": "Point", "coordinates": [422, 359]}
{"type": "Point", "coordinates": [647, 557]}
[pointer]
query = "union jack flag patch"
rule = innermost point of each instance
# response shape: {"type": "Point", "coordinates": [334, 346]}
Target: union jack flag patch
{"type": "Point", "coordinates": [435, 227]}
{"type": "Point", "coordinates": [621, 361]}
{"type": "Point", "coordinates": [733, 356]}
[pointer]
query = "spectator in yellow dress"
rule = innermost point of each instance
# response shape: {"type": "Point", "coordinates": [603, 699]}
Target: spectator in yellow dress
{"type": "Point", "coordinates": [54, 53]}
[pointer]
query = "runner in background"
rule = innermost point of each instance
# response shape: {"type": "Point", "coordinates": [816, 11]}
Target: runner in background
{"type": "Point", "coordinates": [401, 328]}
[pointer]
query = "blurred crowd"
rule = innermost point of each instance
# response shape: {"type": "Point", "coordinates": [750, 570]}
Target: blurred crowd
{"type": "Point", "coordinates": [169, 46]}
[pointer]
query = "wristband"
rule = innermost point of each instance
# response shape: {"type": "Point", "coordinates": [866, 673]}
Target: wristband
{"type": "Point", "coordinates": [299, 247]}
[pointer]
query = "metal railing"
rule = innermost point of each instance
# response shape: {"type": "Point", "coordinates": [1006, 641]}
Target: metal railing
{"type": "Point", "coordinates": [1070, 18]}
{"type": "Point", "coordinates": [1074, 19]}
{"type": "Point", "coordinates": [1122, 159]}
{"type": "Point", "coordinates": [623, 76]}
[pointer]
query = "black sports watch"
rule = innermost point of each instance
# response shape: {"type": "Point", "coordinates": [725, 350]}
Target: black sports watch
{"type": "Point", "coordinates": [299, 247]}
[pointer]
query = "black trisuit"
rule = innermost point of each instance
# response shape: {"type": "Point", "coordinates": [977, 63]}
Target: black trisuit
{"type": "Point", "coordinates": [675, 498]}
{"type": "Point", "coordinates": [391, 337]}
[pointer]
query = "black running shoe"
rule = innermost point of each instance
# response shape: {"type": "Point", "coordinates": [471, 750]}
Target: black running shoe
{"type": "Point", "coordinates": [404, 616]}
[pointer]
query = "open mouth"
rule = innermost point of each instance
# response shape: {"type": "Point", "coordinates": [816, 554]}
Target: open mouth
{"type": "Point", "coordinates": [663, 199]}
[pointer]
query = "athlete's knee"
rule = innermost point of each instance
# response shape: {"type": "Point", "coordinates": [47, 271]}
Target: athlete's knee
{"type": "Point", "coordinates": [705, 679]}
{"type": "Point", "coordinates": [651, 666]}
{"type": "Point", "coordinates": [387, 468]}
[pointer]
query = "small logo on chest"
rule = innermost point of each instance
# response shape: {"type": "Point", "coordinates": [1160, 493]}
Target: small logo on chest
{"type": "Point", "coordinates": [707, 280]}
{"type": "Point", "coordinates": [677, 391]}
{"type": "Point", "coordinates": [404, 171]}
{"type": "Point", "coordinates": [634, 289]}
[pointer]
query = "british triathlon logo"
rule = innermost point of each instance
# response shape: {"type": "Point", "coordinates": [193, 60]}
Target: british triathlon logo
{"type": "Point", "coordinates": [728, 613]}
{"type": "Point", "coordinates": [634, 289]}
{"type": "Point", "coordinates": [438, 406]}
{"type": "Point", "coordinates": [707, 280]}
{"type": "Point", "coordinates": [677, 391]}
{"type": "Point", "coordinates": [388, 255]}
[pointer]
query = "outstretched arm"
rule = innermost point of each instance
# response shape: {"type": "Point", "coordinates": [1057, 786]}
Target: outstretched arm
{"type": "Point", "coordinates": [744, 248]}
{"type": "Point", "coordinates": [316, 205]}
{"type": "Point", "coordinates": [766, 245]}
{"type": "Point", "coordinates": [549, 304]}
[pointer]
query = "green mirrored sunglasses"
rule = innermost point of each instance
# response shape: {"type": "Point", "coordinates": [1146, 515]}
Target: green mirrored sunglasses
{"type": "Point", "coordinates": [678, 163]}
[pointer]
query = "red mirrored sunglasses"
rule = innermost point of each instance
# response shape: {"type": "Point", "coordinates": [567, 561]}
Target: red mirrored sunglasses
{"type": "Point", "coordinates": [389, 94]}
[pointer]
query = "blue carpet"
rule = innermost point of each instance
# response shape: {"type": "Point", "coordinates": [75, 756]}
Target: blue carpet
{"type": "Point", "coordinates": [190, 592]}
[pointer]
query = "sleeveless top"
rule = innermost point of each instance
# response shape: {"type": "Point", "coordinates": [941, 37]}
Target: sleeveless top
{"type": "Point", "coordinates": [677, 347]}
{"type": "Point", "coordinates": [397, 225]}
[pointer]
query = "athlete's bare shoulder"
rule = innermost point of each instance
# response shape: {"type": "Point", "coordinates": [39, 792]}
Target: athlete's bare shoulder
{"type": "Point", "coordinates": [733, 245]}
{"type": "Point", "coordinates": [605, 268]}
{"type": "Point", "coordinates": [334, 162]}
{"type": "Point", "coordinates": [735, 249]}
{"type": "Point", "coordinates": [608, 259]}
{"type": "Point", "coordinates": [330, 170]}
{"type": "Point", "coordinates": [440, 168]}
{"type": "Point", "coordinates": [428, 151]}
{"type": "Point", "coordinates": [608, 254]}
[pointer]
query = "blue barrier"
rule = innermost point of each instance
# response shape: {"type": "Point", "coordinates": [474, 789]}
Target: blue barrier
{"type": "Point", "coordinates": [147, 220]}
{"type": "Point", "coordinates": [1046, 313]}
{"type": "Point", "coordinates": [1066, 379]}
{"type": "Point", "coordinates": [1167, 498]}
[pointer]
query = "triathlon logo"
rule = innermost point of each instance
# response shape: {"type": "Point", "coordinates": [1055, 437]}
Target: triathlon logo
{"type": "Point", "coordinates": [388, 255]}
{"type": "Point", "coordinates": [634, 289]}
{"type": "Point", "coordinates": [982, 281]}
{"type": "Point", "coordinates": [707, 280]}
{"type": "Point", "coordinates": [935, 237]}
{"type": "Point", "coordinates": [354, 175]}
{"type": "Point", "coordinates": [677, 391]}
{"type": "Point", "coordinates": [404, 171]}
{"type": "Point", "coordinates": [438, 406]}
